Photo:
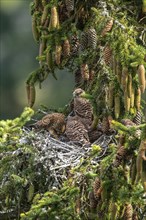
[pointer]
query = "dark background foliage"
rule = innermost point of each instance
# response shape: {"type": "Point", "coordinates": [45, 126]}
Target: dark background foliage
{"type": "Point", "coordinates": [18, 53]}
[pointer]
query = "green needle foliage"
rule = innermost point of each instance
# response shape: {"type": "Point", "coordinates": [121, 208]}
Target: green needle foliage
{"type": "Point", "coordinates": [103, 44]}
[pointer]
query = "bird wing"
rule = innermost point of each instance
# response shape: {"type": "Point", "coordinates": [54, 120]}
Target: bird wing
{"type": "Point", "coordinates": [83, 108]}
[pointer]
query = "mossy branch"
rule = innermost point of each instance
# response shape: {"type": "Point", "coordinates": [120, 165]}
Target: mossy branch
{"type": "Point", "coordinates": [119, 126]}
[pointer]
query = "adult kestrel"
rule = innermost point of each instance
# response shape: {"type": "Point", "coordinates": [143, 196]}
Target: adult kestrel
{"type": "Point", "coordinates": [83, 108]}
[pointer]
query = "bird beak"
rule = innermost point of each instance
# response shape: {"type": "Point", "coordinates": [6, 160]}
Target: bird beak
{"type": "Point", "coordinates": [74, 94]}
{"type": "Point", "coordinates": [82, 94]}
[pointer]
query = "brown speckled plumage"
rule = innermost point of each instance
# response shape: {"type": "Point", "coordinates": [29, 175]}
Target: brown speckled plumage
{"type": "Point", "coordinates": [54, 123]}
{"type": "Point", "coordinates": [82, 108]}
{"type": "Point", "coordinates": [76, 131]}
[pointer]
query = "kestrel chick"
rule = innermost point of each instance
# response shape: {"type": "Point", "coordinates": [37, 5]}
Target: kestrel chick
{"type": "Point", "coordinates": [82, 107]}
{"type": "Point", "coordinates": [76, 131]}
{"type": "Point", "coordinates": [54, 123]}
{"type": "Point", "coordinates": [127, 122]}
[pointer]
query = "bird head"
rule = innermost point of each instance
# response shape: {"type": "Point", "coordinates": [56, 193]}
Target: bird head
{"type": "Point", "coordinates": [78, 92]}
{"type": "Point", "coordinates": [82, 94]}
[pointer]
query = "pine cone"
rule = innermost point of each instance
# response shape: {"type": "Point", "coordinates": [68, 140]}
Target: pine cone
{"type": "Point", "coordinates": [135, 216]}
{"type": "Point", "coordinates": [94, 135]}
{"type": "Point", "coordinates": [69, 5]}
{"type": "Point", "coordinates": [128, 212]}
{"type": "Point", "coordinates": [66, 48]}
{"type": "Point", "coordinates": [58, 52]}
{"type": "Point", "coordinates": [85, 71]}
{"type": "Point", "coordinates": [84, 41]}
{"type": "Point", "coordinates": [121, 152]}
{"type": "Point", "coordinates": [107, 55]}
{"type": "Point", "coordinates": [141, 77]}
{"type": "Point", "coordinates": [105, 125]}
{"type": "Point", "coordinates": [74, 45]}
{"type": "Point", "coordinates": [92, 38]}
{"type": "Point", "coordinates": [138, 118]}
{"type": "Point", "coordinates": [107, 28]}
{"type": "Point", "coordinates": [63, 14]}
{"type": "Point", "coordinates": [78, 78]}
{"type": "Point", "coordinates": [91, 75]}
{"type": "Point", "coordinates": [97, 189]}
{"type": "Point", "coordinates": [92, 200]}
{"type": "Point", "coordinates": [138, 99]}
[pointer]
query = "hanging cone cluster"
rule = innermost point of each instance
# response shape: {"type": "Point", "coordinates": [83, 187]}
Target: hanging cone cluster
{"type": "Point", "coordinates": [132, 96]}
{"type": "Point", "coordinates": [59, 48]}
